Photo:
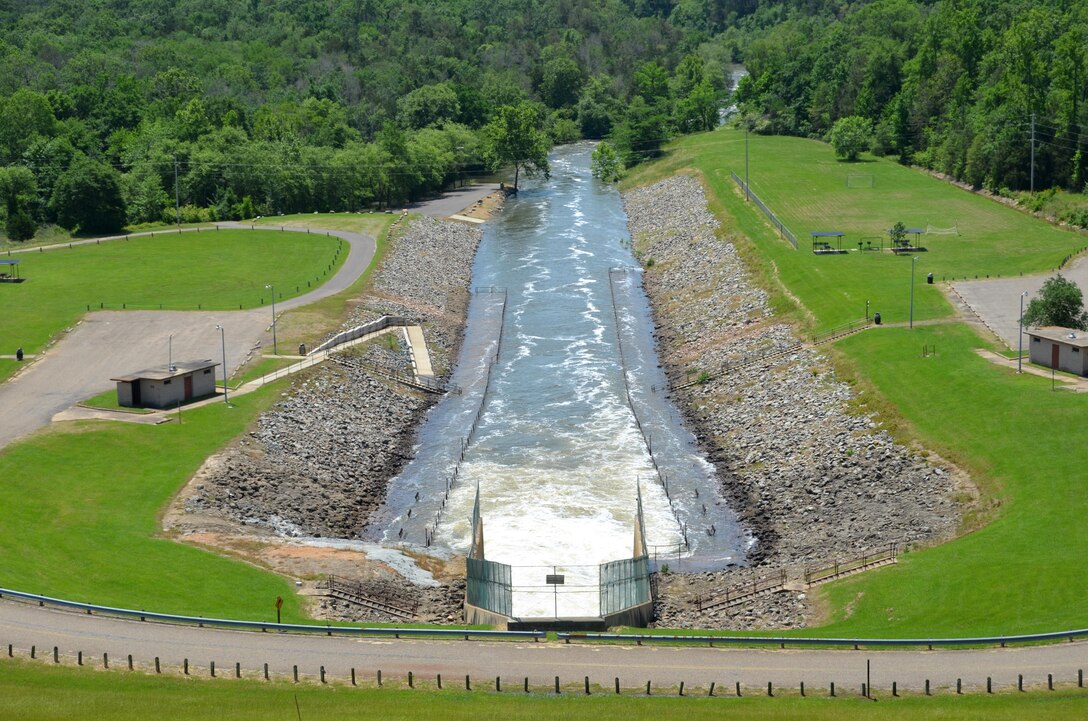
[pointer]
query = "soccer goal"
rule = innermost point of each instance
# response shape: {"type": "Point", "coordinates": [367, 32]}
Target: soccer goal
{"type": "Point", "coordinates": [932, 230]}
{"type": "Point", "coordinates": [860, 180]}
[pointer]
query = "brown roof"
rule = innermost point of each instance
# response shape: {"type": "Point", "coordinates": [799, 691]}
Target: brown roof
{"type": "Point", "coordinates": [1068, 336]}
{"type": "Point", "coordinates": [163, 372]}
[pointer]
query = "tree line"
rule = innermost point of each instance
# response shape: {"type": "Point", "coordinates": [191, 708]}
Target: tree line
{"type": "Point", "coordinates": [956, 86]}
{"type": "Point", "coordinates": [138, 111]}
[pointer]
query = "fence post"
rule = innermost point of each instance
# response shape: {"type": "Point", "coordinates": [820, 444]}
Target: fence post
{"type": "Point", "coordinates": [105, 660]}
{"type": "Point", "coordinates": [294, 672]}
{"type": "Point", "coordinates": [266, 672]}
{"type": "Point", "coordinates": [56, 655]}
{"type": "Point", "coordinates": [557, 684]}
{"type": "Point", "coordinates": [411, 680]}
{"type": "Point", "coordinates": [212, 669]}
{"type": "Point", "coordinates": [130, 662]}
{"type": "Point", "coordinates": [158, 669]}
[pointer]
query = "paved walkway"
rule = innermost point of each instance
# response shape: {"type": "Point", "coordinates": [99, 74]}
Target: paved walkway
{"type": "Point", "coordinates": [25, 625]}
{"type": "Point", "coordinates": [997, 300]}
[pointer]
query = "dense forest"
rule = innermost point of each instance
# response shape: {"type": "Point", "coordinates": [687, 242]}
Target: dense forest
{"type": "Point", "coordinates": [955, 86]}
{"type": "Point", "coordinates": [121, 112]}
{"type": "Point", "coordinates": [112, 111]}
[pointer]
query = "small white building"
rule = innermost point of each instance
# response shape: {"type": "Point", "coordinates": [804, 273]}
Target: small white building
{"type": "Point", "coordinates": [1063, 349]}
{"type": "Point", "coordinates": [166, 387]}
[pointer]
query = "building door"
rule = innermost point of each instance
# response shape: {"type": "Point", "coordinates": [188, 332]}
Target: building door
{"type": "Point", "coordinates": [189, 385]}
{"type": "Point", "coordinates": [1054, 356]}
{"type": "Point", "coordinates": [137, 401]}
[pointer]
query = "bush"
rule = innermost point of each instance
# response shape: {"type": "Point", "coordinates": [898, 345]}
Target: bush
{"type": "Point", "coordinates": [850, 136]}
{"type": "Point", "coordinates": [20, 225]}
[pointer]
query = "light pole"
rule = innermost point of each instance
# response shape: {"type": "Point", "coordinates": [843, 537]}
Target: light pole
{"type": "Point", "coordinates": [866, 310]}
{"type": "Point", "coordinates": [1020, 338]}
{"type": "Point", "coordinates": [170, 352]}
{"type": "Point", "coordinates": [223, 339]}
{"type": "Point", "coordinates": [912, 261]}
{"type": "Point", "coordinates": [747, 191]}
{"type": "Point", "coordinates": [275, 348]}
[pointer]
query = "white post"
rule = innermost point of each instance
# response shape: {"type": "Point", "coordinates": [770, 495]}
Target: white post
{"type": "Point", "coordinates": [223, 338]}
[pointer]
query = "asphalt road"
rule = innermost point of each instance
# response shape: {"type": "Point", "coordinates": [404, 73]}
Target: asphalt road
{"type": "Point", "coordinates": [26, 625]}
{"type": "Point", "coordinates": [997, 301]}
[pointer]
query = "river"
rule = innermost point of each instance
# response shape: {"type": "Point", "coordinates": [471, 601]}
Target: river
{"type": "Point", "coordinates": [544, 425]}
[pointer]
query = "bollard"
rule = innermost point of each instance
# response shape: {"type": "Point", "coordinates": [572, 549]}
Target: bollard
{"type": "Point", "coordinates": [379, 677]}
{"type": "Point", "coordinates": [557, 684]}
{"type": "Point", "coordinates": [864, 690]}
{"type": "Point", "coordinates": [294, 672]}
{"type": "Point", "coordinates": [802, 689]}
{"type": "Point", "coordinates": [185, 667]}
{"type": "Point", "coordinates": [105, 660]}
{"type": "Point", "coordinates": [927, 687]}
{"type": "Point", "coordinates": [1080, 678]}
{"type": "Point", "coordinates": [411, 682]}
{"type": "Point", "coordinates": [498, 685]}
{"type": "Point", "coordinates": [895, 691]}
{"type": "Point", "coordinates": [711, 692]}
{"type": "Point", "coordinates": [211, 669]}
{"type": "Point", "coordinates": [33, 652]}
{"type": "Point", "coordinates": [468, 683]}
{"type": "Point", "coordinates": [322, 673]}
{"type": "Point", "coordinates": [79, 656]}
{"type": "Point", "coordinates": [1050, 681]}
{"type": "Point", "coordinates": [587, 687]}
{"type": "Point", "coordinates": [770, 689]}
{"type": "Point", "coordinates": [526, 684]}
{"type": "Point", "coordinates": [237, 669]}
{"type": "Point", "coordinates": [266, 672]}
{"type": "Point", "coordinates": [989, 685]}
{"type": "Point", "coordinates": [647, 688]}
{"type": "Point", "coordinates": [618, 686]}
{"type": "Point", "coordinates": [353, 677]}
{"type": "Point", "coordinates": [130, 662]}
{"type": "Point", "coordinates": [439, 682]}
{"type": "Point", "coordinates": [56, 655]}
{"type": "Point", "coordinates": [738, 690]}
{"type": "Point", "coordinates": [158, 668]}
{"type": "Point", "coordinates": [833, 689]}
{"type": "Point", "coordinates": [959, 686]}
{"type": "Point", "coordinates": [1019, 682]}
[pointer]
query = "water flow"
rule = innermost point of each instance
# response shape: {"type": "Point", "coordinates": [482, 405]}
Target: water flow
{"type": "Point", "coordinates": [558, 449]}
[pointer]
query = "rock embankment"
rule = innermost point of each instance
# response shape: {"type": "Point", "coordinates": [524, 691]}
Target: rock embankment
{"type": "Point", "coordinates": [318, 462]}
{"type": "Point", "coordinates": [812, 481]}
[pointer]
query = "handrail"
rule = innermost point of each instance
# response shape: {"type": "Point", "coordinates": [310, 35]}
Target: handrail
{"type": "Point", "coordinates": [784, 641]}
{"type": "Point", "coordinates": [464, 633]}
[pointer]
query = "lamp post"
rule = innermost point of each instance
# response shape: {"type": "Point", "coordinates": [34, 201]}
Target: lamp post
{"type": "Point", "coordinates": [223, 339]}
{"type": "Point", "coordinates": [275, 348]}
{"type": "Point", "coordinates": [1020, 338]}
{"type": "Point", "coordinates": [866, 310]}
{"type": "Point", "coordinates": [747, 191]}
{"type": "Point", "coordinates": [912, 262]}
{"type": "Point", "coordinates": [170, 352]}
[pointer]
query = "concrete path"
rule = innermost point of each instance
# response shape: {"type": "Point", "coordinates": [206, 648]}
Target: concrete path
{"type": "Point", "coordinates": [24, 625]}
{"type": "Point", "coordinates": [997, 301]}
{"type": "Point", "coordinates": [454, 201]}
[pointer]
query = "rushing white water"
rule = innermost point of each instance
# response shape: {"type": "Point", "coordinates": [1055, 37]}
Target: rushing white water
{"type": "Point", "coordinates": [557, 453]}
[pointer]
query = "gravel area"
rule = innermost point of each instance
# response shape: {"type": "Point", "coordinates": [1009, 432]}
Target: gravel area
{"type": "Point", "coordinates": [318, 462]}
{"type": "Point", "coordinates": [814, 482]}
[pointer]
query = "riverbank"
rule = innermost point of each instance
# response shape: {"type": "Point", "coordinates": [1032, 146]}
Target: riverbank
{"type": "Point", "coordinates": [316, 465]}
{"type": "Point", "coordinates": [813, 481]}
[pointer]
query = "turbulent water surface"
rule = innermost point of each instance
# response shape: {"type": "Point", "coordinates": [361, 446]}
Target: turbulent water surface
{"type": "Point", "coordinates": [557, 452]}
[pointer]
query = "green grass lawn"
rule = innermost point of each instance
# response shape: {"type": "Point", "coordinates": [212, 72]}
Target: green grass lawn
{"type": "Point", "coordinates": [84, 502]}
{"type": "Point", "coordinates": [107, 400]}
{"type": "Point", "coordinates": [1024, 571]}
{"type": "Point", "coordinates": [805, 186]}
{"type": "Point", "coordinates": [36, 692]}
{"type": "Point", "coordinates": [208, 269]}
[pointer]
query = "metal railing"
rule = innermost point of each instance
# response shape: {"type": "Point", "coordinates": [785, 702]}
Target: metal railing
{"type": "Point", "coordinates": [784, 641]}
{"type": "Point", "coordinates": [386, 321]}
{"type": "Point", "coordinates": [328, 630]}
{"type": "Point", "coordinates": [840, 331]}
{"type": "Point", "coordinates": [782, 229]}
{"type": "Point", "coordinates": [887, 555]}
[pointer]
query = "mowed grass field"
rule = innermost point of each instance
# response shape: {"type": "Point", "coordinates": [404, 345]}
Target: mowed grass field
{"type": "Point", "coordinates": [83, 503]}
{"type": "Point", "coordinates": [207, 269]}
{"type": "Point", "coordinates": [36, 692]}
{"type": "Point", "coordinates": [805, 185]}
{"type": "Point", "coordinates": [1023, 444]}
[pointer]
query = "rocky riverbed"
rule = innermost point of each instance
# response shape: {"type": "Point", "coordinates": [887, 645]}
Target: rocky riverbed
{"type": "Point", "coordinates": [813, 481]}
{"type": "Point", "coordinates": [317, 463]}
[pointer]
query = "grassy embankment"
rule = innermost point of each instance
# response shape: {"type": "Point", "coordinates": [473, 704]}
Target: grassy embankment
{"type": "Point", "coordinates": [1022, 443]}
{"type": "Point", "coordinates": [83, 518]}
{"type": "Point", "coordinates": [208, 269]}
{"type": "Point", "coordinates": [33, 692]}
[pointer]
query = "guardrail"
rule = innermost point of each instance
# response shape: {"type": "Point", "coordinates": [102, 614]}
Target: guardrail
{"type": "Point", "coordinates": [90, 608]}
{"type": "Point", "coordinates": [841, 331]}
{"type": "Point", "coordinates": [782, 229]}
{"type": "Point", "coordinates": [783, 641]}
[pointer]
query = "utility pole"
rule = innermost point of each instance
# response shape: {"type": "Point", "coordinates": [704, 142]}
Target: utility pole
{"type": "Point", "coordinates": [747, 193]}
{"type": "Point", "coordinates": [177, 197]}
{"type": "Point", "coordinates": [912, 262]}
{"type": "Point", "coordinates": [1033, 152]}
